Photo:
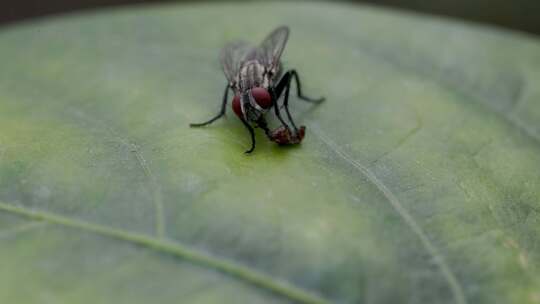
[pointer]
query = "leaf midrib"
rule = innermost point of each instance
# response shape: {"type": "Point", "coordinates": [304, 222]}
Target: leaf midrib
{"type": "Point", "coordinates": [455, 286]}
{"type": "Point", "coordinates": [233, 269]}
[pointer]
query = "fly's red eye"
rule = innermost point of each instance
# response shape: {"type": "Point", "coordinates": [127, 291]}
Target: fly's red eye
{"type": "Point", "coordinates": [237, 108]}
{"type": "Point", "coordinates": [262, 97]}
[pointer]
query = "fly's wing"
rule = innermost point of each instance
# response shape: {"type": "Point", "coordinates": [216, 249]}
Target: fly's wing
{"type": "Point", "coordinates": [272, 47]}
{"type": "Point", "coordinates": [231, 58]}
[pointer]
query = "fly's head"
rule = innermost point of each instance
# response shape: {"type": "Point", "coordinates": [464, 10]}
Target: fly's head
{"type": "Point", "coordinates": [252, 103]}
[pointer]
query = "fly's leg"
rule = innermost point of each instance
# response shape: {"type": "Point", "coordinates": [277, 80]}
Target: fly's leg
{"type": "Point", "coordinates": [275, 96]}
{"type": "Point", "coordinates": [252, 133]}
{"type": "Point", "coordinates": [219, 115]}
{"type": "Point", "coordinates": [285, 84]}
{"type": "Point", "coordinates": [261, 123]}
{"type": "Point", "coordinates": [286, 105]}
{"type": "Point", "coordinates": [299, 89]}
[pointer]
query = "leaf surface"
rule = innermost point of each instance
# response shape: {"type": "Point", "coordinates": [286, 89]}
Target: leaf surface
{"type": "Point", "coordinates": [418, 180]}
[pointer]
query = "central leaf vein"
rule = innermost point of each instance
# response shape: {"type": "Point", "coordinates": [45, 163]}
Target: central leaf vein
{"type": "Point", "coordinates": [233, 269]}
{"type": "Point", "coordinates": [455, 287]}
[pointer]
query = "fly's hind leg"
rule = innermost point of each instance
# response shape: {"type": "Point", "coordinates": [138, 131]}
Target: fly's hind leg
{"type": "Point", "coordinates": [221, 112]}
{"type": "Point", "coordinates": [299, 89]}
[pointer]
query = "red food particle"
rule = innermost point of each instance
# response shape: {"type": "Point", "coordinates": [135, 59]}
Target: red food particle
{"type": "Point", "coordinates": [284, 136]}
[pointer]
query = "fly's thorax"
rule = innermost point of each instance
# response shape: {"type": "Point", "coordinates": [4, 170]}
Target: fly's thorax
{"type": "Point", "coordinates": [252, 90]}
{"type": "Point", "coordinates": [253, 74]}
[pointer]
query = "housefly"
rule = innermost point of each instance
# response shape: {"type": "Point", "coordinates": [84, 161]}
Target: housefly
{"type": "Point", "coordinates": [254, 74]}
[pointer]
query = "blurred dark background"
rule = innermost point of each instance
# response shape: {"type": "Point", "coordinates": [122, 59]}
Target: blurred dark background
{"type": "Point", "coordinates": [521, 15]}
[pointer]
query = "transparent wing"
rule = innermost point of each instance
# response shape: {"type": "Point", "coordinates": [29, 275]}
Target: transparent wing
{"type": "Point", "coordinates": [231, 58]}
{"type": "Point", "coordinates": [272, 47]}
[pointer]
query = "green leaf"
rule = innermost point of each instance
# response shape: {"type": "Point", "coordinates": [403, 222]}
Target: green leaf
{"type": "Point", "coordinates": [418, 180]}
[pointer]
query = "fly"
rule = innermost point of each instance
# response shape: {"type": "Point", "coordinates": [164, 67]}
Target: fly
{"type": "Point", "coordinates": [255, 76]}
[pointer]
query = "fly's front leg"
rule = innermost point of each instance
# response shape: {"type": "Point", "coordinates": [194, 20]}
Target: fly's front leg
{"type": "Point", "coordinates": [221, 112]}
{"type": "Point", "coordinates": [286, 105]}
{"type": "Point", "coordinates": [276, 93]}
{"type": "Point", "coordinates": [285, 84]}
{"type": "Point", "coordinates": [261, 123]}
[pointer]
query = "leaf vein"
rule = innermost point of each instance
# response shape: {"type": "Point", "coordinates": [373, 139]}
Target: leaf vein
{"type": "Point", "coordinates": [157, 197]}
{"type": "Point", "coordinates": [445, 269]}
{"type": "Point", "coordinates": [400, 143]}
{"type": "Point", "coordinates": [507, 114]}
{"type": "Point", "coordinates": [233, 269]}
